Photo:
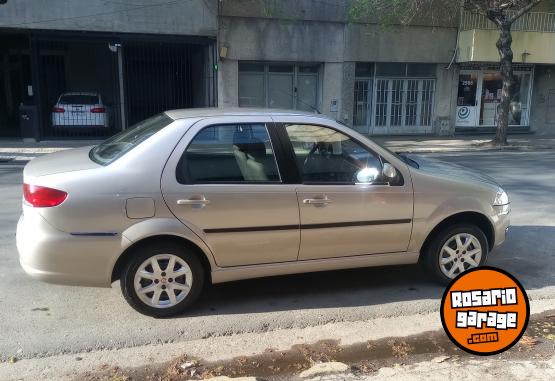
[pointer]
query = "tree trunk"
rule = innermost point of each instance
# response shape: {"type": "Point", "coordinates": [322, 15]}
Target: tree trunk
{"type": "Point", "coordinates": [506, 68]}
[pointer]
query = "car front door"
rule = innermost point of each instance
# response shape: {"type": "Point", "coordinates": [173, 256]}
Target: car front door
{"type": "Point", "coordinates": [223, 182]}
{"type": "Point", "coordinates": [346, 206]}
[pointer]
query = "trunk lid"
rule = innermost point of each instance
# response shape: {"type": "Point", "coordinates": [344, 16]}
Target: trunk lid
{"type": "Point", "coordinates": [63, 161]}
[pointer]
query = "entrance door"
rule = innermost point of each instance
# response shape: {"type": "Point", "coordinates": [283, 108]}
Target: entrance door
{"type": "Point", "coordinates": [492, 85]}
{"type": "Point", "coordinates": [468, 102]}
{"type": "Point", "coordinates": [362, 114]}
{"type": "Point", "coordinates": [403, 106]}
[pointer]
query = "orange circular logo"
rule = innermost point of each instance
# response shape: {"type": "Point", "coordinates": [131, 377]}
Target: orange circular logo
{"type": "Point", "coordinates": [485, 311]}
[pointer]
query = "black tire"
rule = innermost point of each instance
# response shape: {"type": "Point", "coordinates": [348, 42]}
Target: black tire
{"type": "Point", "coordinates": [432, 250]}
{"type": "Point", "coordinates": [140, 255]}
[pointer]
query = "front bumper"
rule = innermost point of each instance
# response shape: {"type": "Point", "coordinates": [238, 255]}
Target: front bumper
{"type": "Point", "coordinates": [501, 223]}
{"type": "Point", "coordinates": [53, 256]}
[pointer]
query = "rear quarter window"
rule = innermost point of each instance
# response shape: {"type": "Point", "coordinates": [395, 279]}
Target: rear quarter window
{"type": "Point", "coordinates": [118, 145]}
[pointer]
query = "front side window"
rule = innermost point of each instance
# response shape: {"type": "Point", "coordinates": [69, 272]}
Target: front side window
{"type": "Point", "coordinates": [229, 154]}
{"type": "Point", "coordinates": [325, 155]}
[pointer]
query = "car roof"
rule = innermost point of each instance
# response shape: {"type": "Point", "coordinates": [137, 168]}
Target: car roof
{"type": "Point", "coordinates": [209, 112]}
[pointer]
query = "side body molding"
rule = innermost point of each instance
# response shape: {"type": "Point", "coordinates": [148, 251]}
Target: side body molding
{"type": "Point", "coordinates": [166, 226]}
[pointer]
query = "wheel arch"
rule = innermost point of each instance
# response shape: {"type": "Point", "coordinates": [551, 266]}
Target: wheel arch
{"type": "Point", "coordinates": [474, 218]}
{"type": "Point", "coordinates": [129, 251]}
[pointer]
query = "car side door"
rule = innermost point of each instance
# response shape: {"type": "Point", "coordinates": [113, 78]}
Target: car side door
{"type": "Point", "coordinates": [347, 208]}
{"type": "Point", "coordinates": [223, 182]}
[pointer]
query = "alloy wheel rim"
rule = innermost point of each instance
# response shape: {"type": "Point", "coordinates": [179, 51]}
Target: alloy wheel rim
{"type": "Point", "coordinates": [460, 253]}
{"type": "Point", "coordinates": [163, 281]}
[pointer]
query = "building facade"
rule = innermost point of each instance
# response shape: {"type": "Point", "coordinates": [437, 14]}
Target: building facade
{"type": "Point", "coordinates": [88, 69]}
{"type": "Point", "coordinates": [429, 78]}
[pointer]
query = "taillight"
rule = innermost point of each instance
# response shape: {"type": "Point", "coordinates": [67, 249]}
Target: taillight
{"type": "Point", "coordinates": [58, 109]}
{"type": "Point", "coordinates": [43, 197]}
{"type": "Point", "coordinates": [98, 110]}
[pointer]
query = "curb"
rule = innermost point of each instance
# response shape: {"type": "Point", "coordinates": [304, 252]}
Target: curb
{"type": "Point", "coordinates": [470, 149]}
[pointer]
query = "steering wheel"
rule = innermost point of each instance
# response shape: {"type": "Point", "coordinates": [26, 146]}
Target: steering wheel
{"type": "Point", "coordinates": [320, 146]}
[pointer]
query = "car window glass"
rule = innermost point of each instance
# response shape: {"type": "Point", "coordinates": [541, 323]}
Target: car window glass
{"type": "Point", "coordinates": [229, 153]}
{"type": "Point", "coordinates": [119, 144]}
{"type": "Point", "coordinates": [79, 99]}
{"type": "Point", "coordinates": [325, 155]}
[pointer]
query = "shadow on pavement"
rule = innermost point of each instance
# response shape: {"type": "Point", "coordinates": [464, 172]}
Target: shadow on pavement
{"type": "Point", "coordinates": [528, 253]}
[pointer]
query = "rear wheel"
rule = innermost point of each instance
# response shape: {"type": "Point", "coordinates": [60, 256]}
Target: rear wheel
{"type": "Point", "coordinates": [455, 250]}
{"type": "Point", "coordinates": [162, 280]}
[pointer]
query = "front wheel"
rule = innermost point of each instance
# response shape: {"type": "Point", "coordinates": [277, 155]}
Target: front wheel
{"type": "Point", "coordinates": [455, 250]}
{"type": "Point", "coordinates": [162, 280]}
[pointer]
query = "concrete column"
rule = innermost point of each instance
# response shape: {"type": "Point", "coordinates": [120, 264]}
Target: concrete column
{"type": "Point", "coordinates": [228, 83]}
{"type": "Point", "coordinates": [348, 93]}
{"type": "Point", "coordinates": [445, 100]}
{"type": "Point", "coordinates": [542, 112]}
{"type": "Point", "coordinates": [332, 89]}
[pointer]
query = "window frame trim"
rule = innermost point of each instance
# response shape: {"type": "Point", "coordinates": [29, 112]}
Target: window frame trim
{"type": "Point", "coordinates": [183, 161]}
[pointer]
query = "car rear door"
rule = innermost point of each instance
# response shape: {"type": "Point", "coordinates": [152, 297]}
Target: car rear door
{"type": "Point", "coordinates": [223, 182]}
{"type": "Point", "coordinates": [346, 209]}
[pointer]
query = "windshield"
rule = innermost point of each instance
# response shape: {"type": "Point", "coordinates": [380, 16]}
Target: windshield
{"type": "Point", "coordinates": [79, 99]}
{"type": "Point", "coordinates": [118, 145]}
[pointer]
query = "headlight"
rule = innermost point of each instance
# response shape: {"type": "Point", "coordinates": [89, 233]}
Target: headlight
{"type": "Point", "coordinates": [501, 198]}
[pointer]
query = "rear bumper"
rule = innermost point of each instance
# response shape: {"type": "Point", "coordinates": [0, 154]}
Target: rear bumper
{"type": "Point", "coordinates": [97, 120]}
{"type": "Point", "coordinates": [53, 256]}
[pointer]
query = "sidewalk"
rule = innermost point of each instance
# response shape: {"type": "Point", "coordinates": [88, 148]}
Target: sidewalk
{"type": "Point", "coordinates": [18, 151]}
{"type": "Point", "coordinates": [464, 143]}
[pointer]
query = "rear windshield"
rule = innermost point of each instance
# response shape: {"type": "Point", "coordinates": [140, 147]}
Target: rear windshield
{"type": "Point", "coordinates": [79, 99]}
{"type": "Point", "coordinates": [118, 145]}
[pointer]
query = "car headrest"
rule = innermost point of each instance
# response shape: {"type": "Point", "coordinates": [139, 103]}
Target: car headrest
{"type": "Point", "coordinates": [248, 144]}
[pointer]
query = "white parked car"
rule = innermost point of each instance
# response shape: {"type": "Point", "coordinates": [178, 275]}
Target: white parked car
{"type": "Point", "coordinates": [80, 109]}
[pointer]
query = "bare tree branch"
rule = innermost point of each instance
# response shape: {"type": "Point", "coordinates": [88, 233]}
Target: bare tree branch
{"type": "Point", "coordinates": [524, 10]}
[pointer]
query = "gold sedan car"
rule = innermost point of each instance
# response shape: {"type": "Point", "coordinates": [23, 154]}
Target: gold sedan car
{"type": "Point", "coordinates": [215, 195]}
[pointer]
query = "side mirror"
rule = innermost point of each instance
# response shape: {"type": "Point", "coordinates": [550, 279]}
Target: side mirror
{"type": "Point", "coordinates": [389, 171]}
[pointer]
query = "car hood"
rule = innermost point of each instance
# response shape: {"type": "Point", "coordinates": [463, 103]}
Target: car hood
{"type": "Point", "coordinates": [62, 161]}
{"type": "Point", "coordinates": [453, 171]}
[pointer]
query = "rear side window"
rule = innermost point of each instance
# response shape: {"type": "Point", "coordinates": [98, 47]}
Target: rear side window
{"type": "Point", "coordinates": [79, 99]}
{"type": "Point", "coordinates": [229, 154]}
{"type": "Point", "coordinates": [118, 145]}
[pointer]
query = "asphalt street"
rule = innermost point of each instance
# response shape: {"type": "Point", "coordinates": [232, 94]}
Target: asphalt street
{"type": "Point", "coordinates": [38, 319]}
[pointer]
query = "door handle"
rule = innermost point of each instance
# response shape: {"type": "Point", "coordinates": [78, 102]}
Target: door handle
{"type": "Point", "coordinates": [317, 201]}
{"type": "Point", "coordinates": [202, 201]}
